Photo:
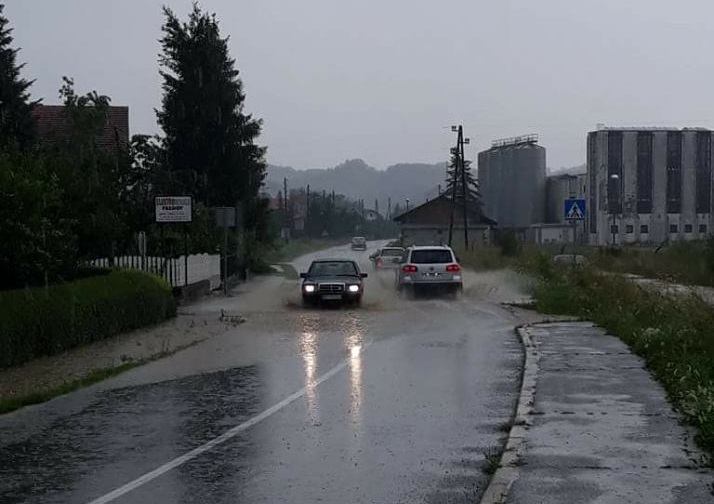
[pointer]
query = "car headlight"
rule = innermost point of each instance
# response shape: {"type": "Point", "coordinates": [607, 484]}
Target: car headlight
{"type": "Point", "coordinates": [309, 288]}
{"type": "Point", "coordinates": [353, 288]}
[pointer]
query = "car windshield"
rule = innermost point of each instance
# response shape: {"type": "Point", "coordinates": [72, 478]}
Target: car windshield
{"type": "Point", "coordinates": [333, 268]}
{"type": "Point", "coordinates": [393, 252]}
{"type": "Point", "coordinates": [358, 239]}
{"type": "Point", "coordinates": [433, 256]}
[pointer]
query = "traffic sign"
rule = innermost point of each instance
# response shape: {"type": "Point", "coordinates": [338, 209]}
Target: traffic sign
{"type": "Point", "coordinates": [574, 209]}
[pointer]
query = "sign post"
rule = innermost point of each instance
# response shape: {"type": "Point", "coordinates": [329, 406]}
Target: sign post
{"type": "Point", "coordinates": [225, 217]}
{"type": "Point", "coordinates": [170, 209]}
{"type": "Point", "coordinates": [574, 212]}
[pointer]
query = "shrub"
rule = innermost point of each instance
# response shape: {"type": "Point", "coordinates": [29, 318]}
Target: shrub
{"type": "Point", "coordinates": [37, 322]}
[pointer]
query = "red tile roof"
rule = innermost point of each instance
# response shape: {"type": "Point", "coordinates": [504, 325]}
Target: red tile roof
{"type": "Point", "coordinates": [52, 122]}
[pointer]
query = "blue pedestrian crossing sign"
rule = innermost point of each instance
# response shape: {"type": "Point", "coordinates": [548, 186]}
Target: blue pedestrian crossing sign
{"type": "Point", "coordinates": [574, 209]}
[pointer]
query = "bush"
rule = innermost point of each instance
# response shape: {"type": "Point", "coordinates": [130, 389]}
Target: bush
{"type": "Point", "coordinates": [38, 322]}
{"type": "Point", "coordinates": [672, 333]}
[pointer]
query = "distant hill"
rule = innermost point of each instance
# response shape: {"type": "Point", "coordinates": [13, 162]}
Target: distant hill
{"type": "Point", "coordinates": [356, 179]}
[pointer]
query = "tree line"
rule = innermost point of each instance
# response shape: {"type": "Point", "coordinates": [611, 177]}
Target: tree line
{"type": "Point", "coordinates": [65, 199]}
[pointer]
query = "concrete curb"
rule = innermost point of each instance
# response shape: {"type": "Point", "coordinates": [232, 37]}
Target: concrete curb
{"type": "Point", "coordinates": [508, 468]}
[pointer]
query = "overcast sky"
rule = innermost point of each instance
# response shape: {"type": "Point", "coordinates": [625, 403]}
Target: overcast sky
{"type": "Point", "coordinates": [383, 79]}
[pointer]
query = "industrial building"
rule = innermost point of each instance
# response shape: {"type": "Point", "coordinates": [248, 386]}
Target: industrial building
{"type": "Point", "coordinates": [649, 185]}
{"type": "Point", "coordinates": [511, 177]}
{"type": "Point", "coordinates": [559, 188]}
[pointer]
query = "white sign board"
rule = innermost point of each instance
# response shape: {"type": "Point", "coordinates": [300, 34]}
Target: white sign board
{"type": "Point", "coordinates": [173, 208]}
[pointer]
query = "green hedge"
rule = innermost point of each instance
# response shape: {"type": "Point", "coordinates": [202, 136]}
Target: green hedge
{"type": "Point", "coordinates": [37, 322]}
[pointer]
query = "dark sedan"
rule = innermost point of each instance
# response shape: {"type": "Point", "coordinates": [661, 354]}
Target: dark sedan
{"type": "Point", "coordinates": [332, 280]}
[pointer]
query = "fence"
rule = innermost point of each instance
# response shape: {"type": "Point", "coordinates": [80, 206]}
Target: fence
{"type": "Point", "coordinates": [200, 267]}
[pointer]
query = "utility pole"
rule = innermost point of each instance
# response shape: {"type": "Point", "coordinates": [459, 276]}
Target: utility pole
{"type": "Point", "coordinates": [285, 204]}
{"type": "Point", "coordinates": [464, 187]}
{"type": "Point", "coordinates": [389, 208]}
{"type": "Point", "coordinates": [459, 172]}
{"type": "Point", "coordinates": [454, 183]}
{"type": "Point", "coordinates": [307, 212]}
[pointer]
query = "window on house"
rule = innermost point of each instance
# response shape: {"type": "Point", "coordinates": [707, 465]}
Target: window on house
{"type": "Point", "coordinates": [644, 229]}
{"type": "Point", "coordinates": [614, 229]}
{"type": "Point", "coordinates": [703, 228]}
{"type": "Point", "coordinates": [673, 228]}
{"type": "Point", "coordinates": [630, 229]}
{"type": "Point", "coordinates": [687, 228]}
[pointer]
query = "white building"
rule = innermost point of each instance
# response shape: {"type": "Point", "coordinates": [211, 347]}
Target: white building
{"type": "Point", "coordinates": [649, 185]}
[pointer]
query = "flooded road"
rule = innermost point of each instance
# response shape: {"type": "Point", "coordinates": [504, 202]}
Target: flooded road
{"type": "Point", "coordinates": [397, 401]}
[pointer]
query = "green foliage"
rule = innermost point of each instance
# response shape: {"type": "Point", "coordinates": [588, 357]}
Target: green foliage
{"type": "Point", "coordinates": [39, 321]}
{"type": "Point", "coordinates": [92, 178]}
{"type": "Point", "coordinates": [209, 140]}
{"type": "Point", "coordinates": [16, 123]}
{"type": "Point", "coordinates": [473, 194]}
{"type": "Point", "coordinates": [672, 333]}
{"type": "Point", "coordinates": [509, 244]}
{"type": "Point", "coordinates": [12, 403]}
{"type": "Point", "coordinates": [38, 241]}
{"type": "Point", "coordinates": [683, 262]}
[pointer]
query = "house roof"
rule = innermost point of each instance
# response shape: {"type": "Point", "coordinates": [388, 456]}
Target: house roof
{"type": "Point", "coordinates": [52, 122]}
{"type": "Point", "coordinates": [475, 216]}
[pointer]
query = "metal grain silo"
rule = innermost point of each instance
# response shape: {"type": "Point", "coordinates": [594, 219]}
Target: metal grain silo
{"type": "Point", "coordinates": [512, 177]}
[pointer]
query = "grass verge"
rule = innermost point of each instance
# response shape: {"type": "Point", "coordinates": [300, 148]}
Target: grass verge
{"type": "Point", "coordinates": [673, 334]}
{"type": "Point", "coordinates": [9, 404]}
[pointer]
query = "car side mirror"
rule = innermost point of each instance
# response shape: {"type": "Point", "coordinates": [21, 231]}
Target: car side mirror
{"type": "Point", "coordinates": [363, 275]}
{"type": "Point", "coordinates": [303, 275]}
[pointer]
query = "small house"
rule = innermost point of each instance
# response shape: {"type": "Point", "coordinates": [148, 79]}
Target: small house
{"type": "Point", "coordinates": [428, 224]}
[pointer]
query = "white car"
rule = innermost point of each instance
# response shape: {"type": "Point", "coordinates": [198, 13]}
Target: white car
{"type": "Point", "coordinates": [432, 268]}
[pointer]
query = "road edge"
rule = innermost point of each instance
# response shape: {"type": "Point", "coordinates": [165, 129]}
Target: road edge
{"type": "Point", "coordinates": [508, 468]}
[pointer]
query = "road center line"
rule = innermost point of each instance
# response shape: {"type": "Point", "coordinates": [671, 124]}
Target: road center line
{"type": "Point", "coordinates": [226, 436]}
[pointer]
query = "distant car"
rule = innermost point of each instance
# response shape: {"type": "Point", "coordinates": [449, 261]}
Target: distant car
{"type": "Point", "coordinates": [429, 268]}
{"type": "Point", "coordinates": [332, 280]}
{"type": "Point", "coordinates": [387, 258]}
{"type": "Point", "coordinates": [359, 243]}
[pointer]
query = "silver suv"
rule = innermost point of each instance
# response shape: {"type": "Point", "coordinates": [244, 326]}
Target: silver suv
{"type": "Point", "coordinates": [433, 268]}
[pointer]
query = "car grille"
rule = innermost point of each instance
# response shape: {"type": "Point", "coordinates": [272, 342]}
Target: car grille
{"type": "Point", "coordinates": [331, 288]}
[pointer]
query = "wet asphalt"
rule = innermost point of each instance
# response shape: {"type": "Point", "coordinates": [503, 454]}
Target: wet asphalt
{"type": "Point", "coordinates": [397, 401]}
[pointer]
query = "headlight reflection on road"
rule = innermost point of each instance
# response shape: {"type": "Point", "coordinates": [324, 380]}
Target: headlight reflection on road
{"type": "Point", "coordinates": [308, 351]}
{"type": "Point", "coordinates": [354, 343]}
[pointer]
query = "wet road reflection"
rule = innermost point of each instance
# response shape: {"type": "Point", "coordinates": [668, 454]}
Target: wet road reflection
{"type": "Point", "coordinates": [393, 405]}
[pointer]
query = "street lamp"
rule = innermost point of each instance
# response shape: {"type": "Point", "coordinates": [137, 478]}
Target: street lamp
{"type": "Point", "coordinates": [407, 204]}
{"type": "Point", "coordinates": [614, 177]}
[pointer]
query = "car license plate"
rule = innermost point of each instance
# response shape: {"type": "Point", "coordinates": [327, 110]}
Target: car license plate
{"type": "Point", "coordinates": [434, 274]}
{"type": "Point", "coordinates": [331, 297]}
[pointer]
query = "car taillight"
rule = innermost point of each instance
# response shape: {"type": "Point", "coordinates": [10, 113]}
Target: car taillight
{"type": "Point", "coordinates": [409, 268]}
{"type": "Point", "coordinates": [379, 262]}
{"type": "Point", "coordinates": [453, 268]}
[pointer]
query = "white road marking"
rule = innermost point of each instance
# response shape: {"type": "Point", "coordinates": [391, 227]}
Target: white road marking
{"type": "Point", "coordinates": [229, 434]}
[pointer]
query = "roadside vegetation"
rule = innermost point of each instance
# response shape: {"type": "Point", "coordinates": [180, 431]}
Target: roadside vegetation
{"type": "Point", "coordinates": [672, 333]}
{"type": "Point", "coordinates": [43, 321]}
{"type": "Point", "coordinates": [684, 262]}
{"type": "Point", "coordinates": [12, 403]}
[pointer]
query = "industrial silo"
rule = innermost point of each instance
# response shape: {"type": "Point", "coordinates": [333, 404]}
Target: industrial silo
{"type": "Point", "coordinates": [512, 178]}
